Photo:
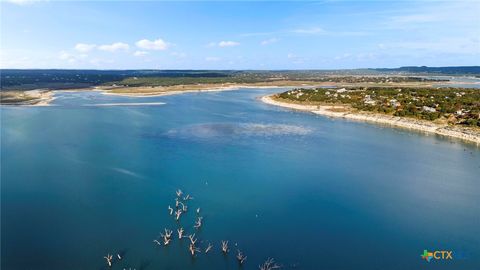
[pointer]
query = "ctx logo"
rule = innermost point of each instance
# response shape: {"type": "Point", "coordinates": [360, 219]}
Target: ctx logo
{"type": "Point", "coordinates": [437, 255]}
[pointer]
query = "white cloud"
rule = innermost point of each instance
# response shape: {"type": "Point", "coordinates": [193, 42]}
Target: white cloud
{"type": "Point", "coordinates": [157, 44]}
{"type": "Point", "coordinates": [305, 31]}
{"type": "Point", "coordinates": [82, 47]}
{"type": "Point", "coordinates": [268, 41]}
{"type": "Point", "coordinates": [212, 59]}
{"type": "Point", "coordinates": [72, 58]}
{"type": "Point", "coordinates": [223, 44]}
{"type": "Point", "coordinates": [65, 56]}
{"type": "Point", "coordinates": [117, 46]}
{"type": "Point", "coordinates": [228, 44]}
{"type": "Point", "coordinates": [414, 18]}
{"type": "Point", "coordinates": [310, 31]}
{"type": "Point", "coordinates": [140, 53]}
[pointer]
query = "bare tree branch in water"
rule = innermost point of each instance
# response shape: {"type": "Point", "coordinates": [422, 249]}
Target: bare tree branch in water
{"type": "Point", "coordinates": [225, 247]}
{"type": "Point", "coordinates": [109, 259]}
{"type": "Point", "coordinates": [192, 239]}
{"type": "Point", "coordinates": [269, 264]}
{"type": "Point", "coordinates": [184, 207]}
{"type": "Point", "coordinates": [240, 257]}
{"type": "Point", "coordinates": [198, 223]}
{"type": "Point", "coordinates": [177, 203]}
{"type": "Point", "coordinates": [209, 247]}
{"type": "Point", "coordinates": [167, 236]}
{"type": "Point", "coordinates": [180, 233]}
{"type": "Point", "coordinates": [178, 213]}
{"type": "Point", "coordinates": [193, 249]}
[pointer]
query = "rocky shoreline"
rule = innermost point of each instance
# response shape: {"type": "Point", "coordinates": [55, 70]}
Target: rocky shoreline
{"type": "Point", "coordinates": [338, 111]}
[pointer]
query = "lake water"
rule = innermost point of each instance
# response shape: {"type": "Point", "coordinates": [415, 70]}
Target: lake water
{"type": "Point", "coordinates": [78, 182]}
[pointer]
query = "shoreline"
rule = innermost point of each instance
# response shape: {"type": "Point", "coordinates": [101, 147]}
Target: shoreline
{"type": "Point", "coordinates": [146, 91]}
{"type": "Point", "coordinates": [339, 111]}
{"type": "Point", "coordinates": [43, 98]}
{"type": "Point", "coordinates": [31, 98]}
{"type": "Point", "coordinates": [177, 92]}
{"type": "Point", "coordinates": [125, 104]}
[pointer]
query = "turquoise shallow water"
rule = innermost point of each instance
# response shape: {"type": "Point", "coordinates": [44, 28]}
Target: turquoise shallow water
{"type": "Point", "coordinates": [78, 182]}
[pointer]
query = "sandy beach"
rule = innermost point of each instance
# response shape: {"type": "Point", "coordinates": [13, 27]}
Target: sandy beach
{"type": "Point", "coordinates": [162, 92]}
{"type": "Point", "coordinates": [339, 111]}
{"type": "Point", "coordinates": [126, 104]}
{"type": "Point", "coordinates": [38, 97]}
{"type": "Point", "coordinates": [44, 97]}
{"type": "Point", "coordinates": [143, 91]}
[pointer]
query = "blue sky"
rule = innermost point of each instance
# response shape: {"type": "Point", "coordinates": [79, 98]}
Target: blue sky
{"type": "Point", "coordinates": [238, 35]}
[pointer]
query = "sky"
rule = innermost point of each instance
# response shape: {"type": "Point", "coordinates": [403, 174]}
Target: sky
{"type": "Point", "coordinates": [238, 35]}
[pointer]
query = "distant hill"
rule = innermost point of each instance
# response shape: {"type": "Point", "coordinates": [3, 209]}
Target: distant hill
{"type": "Point", "coordinates": [26, 79]}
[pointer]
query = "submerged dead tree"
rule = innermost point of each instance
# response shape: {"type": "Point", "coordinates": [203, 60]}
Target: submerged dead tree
{"type": "Point", "coordinates": [224, 247]}
{"type": "Point", "coordinates": [178, 213]}
{"type": "Point", "coordinates": [192, 238]}
{"type": "Point", "coordinates": [269, 264]}
{"type": "Point", "coordinates": [109, 259]}
{"type": "Point", "coordinates": [198, 223]}
{"type": "Point", "coordinates": [240, 257]}
{"type": "Point", "coordinates": [167, 237]}
{"type": "Point", "coordinates": [209, 247]}
{"type": "Point", "coordinates": [193, 249]}
{"type": "Point", "coordinates": [180, 233]}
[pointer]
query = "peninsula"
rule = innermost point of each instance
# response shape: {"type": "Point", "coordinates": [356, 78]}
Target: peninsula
{"type": "Point", "coordinates": [453, 112]}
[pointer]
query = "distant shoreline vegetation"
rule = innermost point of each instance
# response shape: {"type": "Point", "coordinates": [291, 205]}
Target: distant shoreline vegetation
{"type": "Point", "coordinates": [58, 79]}
{"type": "Point", "coordinates": [31, 86]}
{"type": "Point", "coordinates": [454, 106]}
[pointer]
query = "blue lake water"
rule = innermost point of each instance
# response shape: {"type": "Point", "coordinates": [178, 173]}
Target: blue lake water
{"type": "Point", "coordinates": [78, 182]}
{"type": "Point", "coordinates": [458, 81]}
